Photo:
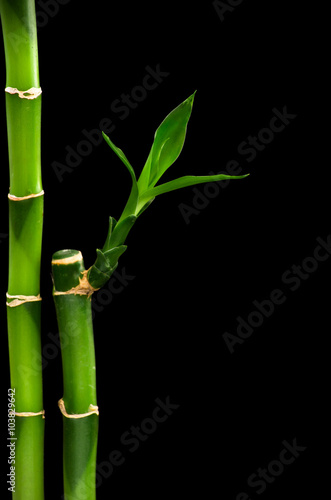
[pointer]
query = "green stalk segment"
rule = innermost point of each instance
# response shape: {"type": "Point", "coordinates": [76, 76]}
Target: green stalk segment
{"type": "Point", "coordinates": [25, 238]}
{"type": "Point", "coordinates": [74, 318]}
{"type": "Point", "coordinates": [26, 379]}
{"type": "Point", "coordinates": [23, 322]}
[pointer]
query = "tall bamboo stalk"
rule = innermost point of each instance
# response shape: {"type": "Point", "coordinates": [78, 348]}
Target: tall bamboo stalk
{"type": "Point", "coordinates": [25, 237]}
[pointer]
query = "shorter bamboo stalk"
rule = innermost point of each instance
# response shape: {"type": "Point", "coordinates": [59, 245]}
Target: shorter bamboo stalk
{"type": "Point", "coordinates": [79, 403]}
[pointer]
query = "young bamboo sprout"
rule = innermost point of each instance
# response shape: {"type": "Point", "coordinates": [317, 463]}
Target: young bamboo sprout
{"type": "Point", "coordinates": [73, 287]}
{"type": "Point", "coordinates": [23, 108]}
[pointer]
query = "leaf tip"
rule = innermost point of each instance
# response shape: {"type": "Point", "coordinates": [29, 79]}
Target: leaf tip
{"type": "Point", "coordinates": [190, 99]}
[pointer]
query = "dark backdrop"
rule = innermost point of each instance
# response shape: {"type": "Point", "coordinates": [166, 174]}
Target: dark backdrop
{"type": "Point", "coordinates": [199, 262]}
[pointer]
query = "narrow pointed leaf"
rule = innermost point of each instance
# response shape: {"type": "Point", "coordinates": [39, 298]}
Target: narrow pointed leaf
{"type": "Point", "coordinates": [120, 154]}
{"type": "Point", "coordinates": [131, 205]}
{"type": "Point", "coordinates": [168, 142]}
{"type": "Point", "coordinates": [181, 182]}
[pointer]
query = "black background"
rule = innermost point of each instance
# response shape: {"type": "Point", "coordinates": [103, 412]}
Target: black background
{"type": "Point", "coordinates": [162, 336]}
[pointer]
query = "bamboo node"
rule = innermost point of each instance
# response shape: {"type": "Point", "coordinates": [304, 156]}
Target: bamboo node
{"type": "Point", "coordinates": [92, 410]}
{"type": "Point", "coordinates": [28, 197]}
{"type": "Point", "coordinates": [18, 300]}
{"type": "Point", "coordinates": [84, 288]}
{"type": "Point", "coordinates": [29, 414]}
{"type": "Point", "coordinates": [68, 260]}
{"type": "Point", "coordinates": [32, 93]}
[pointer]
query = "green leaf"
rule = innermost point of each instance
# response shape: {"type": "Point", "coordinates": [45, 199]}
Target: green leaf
{"type": "Point", "coordinates": [101, 262]}
{"type": "Point", "coordinates": [100, 272]}
{"type": "Point", "coordinates": [120, 154]}
{"type": "Point", "coordinates": [181, 182]}
{"type": "Point", "coordinates": [112, 224]}
{"type": "Point", "coordinates": [114, 254]}
{"type": "Point", "coordinates": [104, 266]}
{"type": "Point", "coordinates": [131, 205]}
{"type": "Point", "coordinates": [97, 278]}
{"type": "Point", "coordinates": [168, 142]}
{"type": "Point", "coordinates": [121, 231]}
{"type": "Point", "coordinates": [143, 208]}
{"type": "Point", "coordinates": [143, 181]}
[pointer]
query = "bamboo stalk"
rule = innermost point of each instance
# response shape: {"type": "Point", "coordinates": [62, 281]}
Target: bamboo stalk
{"type": "Point", "coordinates": [79, 403]}
{"type": "Point", "coordinates": [25, 239]}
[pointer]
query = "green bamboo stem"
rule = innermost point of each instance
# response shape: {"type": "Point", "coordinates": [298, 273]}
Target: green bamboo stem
{"type": "Point", "coordinates": [74, 318]}
{"type": "Point", "coordinates": [25, 237]}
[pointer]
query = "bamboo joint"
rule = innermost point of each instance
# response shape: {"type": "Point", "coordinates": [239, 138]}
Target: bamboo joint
{"type": "Point", "coordinates": [12, 197]}
{"type": "Point", "coordinates": [32, 93]}
{"type": "Point", "coordinates": [18, 300]}
{"type": "Point", "coordinates": [83, 288]}
{"type": "Point", "coordinates": [29, 414]}
{"type": "Point", "coordinates": [92, 410]}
